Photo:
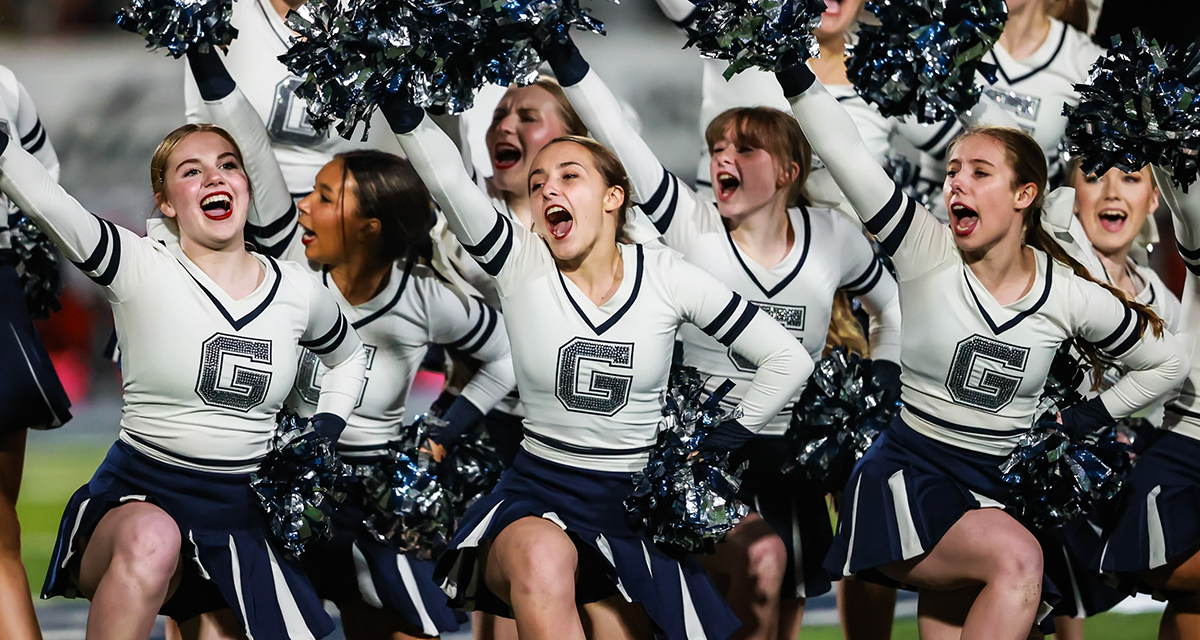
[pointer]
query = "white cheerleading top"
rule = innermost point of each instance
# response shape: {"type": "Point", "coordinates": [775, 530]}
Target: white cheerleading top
{"type": "Point", "coordinates": [1183, 412]}
{"type": "Point", "coordinates": [590, 376]}
{"type": "Point", "coordinates": [19, 119]}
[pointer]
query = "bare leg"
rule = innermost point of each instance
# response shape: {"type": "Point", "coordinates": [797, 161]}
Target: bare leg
{"type": "Point", "coordinates": [791, 613]}
{"type": "Point", "coordinates": [171, 630]}
{"type": "Point", "coordinates": [749, 566]}
{"type": "Point", "coordinates": [866, 609]}
{"type": "Point", "coordinates": [485, 626]}
{"type": "Point", "coordinates": [1068, 628]}
{"type": "Point", "coordinates": [941, 614]}
{"type": "Point", "coordinates": [129, 568]}
{"type": "Point", "coordinates": [17, 619]}
{"type": "Point", "coordinates": [616, 619]}
{"type": "Point", "coordinates": [215, 625]}
{"type": "Point", "coordinates": [531, 565]}
{"type": "Point", "coordinates": [364, 622]}
{"type": "Point", "coordinates": [986, 548]}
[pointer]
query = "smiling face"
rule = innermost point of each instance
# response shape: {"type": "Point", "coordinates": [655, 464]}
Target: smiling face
{"type": "Point", "coordinates": [746, 179]}
{"type": "Point", "coordinates": [839, 16]}
{"type": "Point", "coordinates": [573, 206]}
{"type": "Point", "coordinates": [982, 194]}
{"type": "Point", "coordinates": [1113, 207]}
{"type": "Point", "coordinates": [327, 215]}
{"type": "Point", "coordinates": [525, 120]}
{"type": "Point", "coordinates": [204, 188]}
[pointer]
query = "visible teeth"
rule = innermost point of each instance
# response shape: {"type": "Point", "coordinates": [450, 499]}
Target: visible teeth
{"type": "Point", "coordinates": [220, 197]}
{"type": "Point", "coordinates": [555, 209]}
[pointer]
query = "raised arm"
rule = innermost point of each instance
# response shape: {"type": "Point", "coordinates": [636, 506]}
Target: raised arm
{"type": "Point", "coordinates": [1185, 210]}
{"type": "Point", "coordinates": [914, 238]}
{"type": "Point", "coordinates": [474, 329]}
{"type": "Point", "coordinates": [485, 234]}
{"type": "Point", "coordinates": [27, 125]}
{"type": "Point", "coordinates": [271, 222]}
{"type": "Point", "coordinates": [782, 363]}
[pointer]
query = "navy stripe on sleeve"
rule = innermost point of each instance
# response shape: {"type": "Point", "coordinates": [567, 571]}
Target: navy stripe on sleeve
{"type": "Point", "coordinates": [273, 228]}
{"type": "Point", "coordinates": [1111, 339]}
{"type": "Point", "coordinates": [114, 262]}
{"type": "Point", "coordinates": [1132, 339]}
{"type": "Point", "coordinates": [892, 242]}
{"type": "Point", "coordinates": [712, 327]}
{"type": "Point", "coordinates": [33, 133]}
{"type": "Point", "coordinates": [866, 281]}
{"type": "Point", "coordinates": [660, 194]}
{"type": "Point", "coordinates": [740, 325]}
{"type": "Point", "coordinates": [276, 250]}
{"type": "Point", "coordinates": [881, 219]}
{"type": "Point", "coordinates": [489, 241]}
{"type": "Point", "coordinates": [37, 146]}
{"type": "Point", "coordinates": [330, 340]}
{"type": "Point", "coordinates": [93, 261]}
{"type": "Point", "coordinates": [1191, 258]}
{"type": "Point", "coordinates": [486, 334]}
{"type": "Point", "coordinates": [470, 335]}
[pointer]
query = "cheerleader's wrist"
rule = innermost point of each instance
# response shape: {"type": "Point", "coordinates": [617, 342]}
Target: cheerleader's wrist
{"type": "Point", "coordinates": [887, 376]}
{"type": "Point", "coordinates": [442, 404]}
{"type": "Point", "coordinates": [795, 80]}
{"type": "Point", "coordinates": [728, 436]}
{"type": "Point", "coordinates": [212, 78]}
{"type": "Point", "coordinates": [565, 60]}
{"type": "Point", "coordinates": [1086, 417]}
{"type": "Point", "coordinates": [328, 426]}
{"type": "Point", "coordinates": [460, 418]}
{"type": "Point", "coordinates": [401, 115]}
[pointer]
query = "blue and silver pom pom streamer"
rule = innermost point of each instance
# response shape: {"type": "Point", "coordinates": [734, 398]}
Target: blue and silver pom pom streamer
{"type": "Point", "coordinates": [1139, 106]}
{"type": "Point", "coordinates": [405, 504]}
{"type": "Point", "coordinates": [838, 417]}
{"type": "Point", "coordinates": [431, 53]}
{"type": "Point", "coordinates": [772, 35]}
{"type": "Point", "coordinates": [472, 469]}
{"type": "Point", "coordinates": [180, 25]}
{"type": "Point", "coordinates": [299, 482]}
{"type": "Point", "coordinates": [923, 56]}
{"type": "Point", "coordinates": [38, 267]}
{"type": "Point", "coordinates": [686, 499]}
{"type": "Point", "coordinates": [1053, 479]}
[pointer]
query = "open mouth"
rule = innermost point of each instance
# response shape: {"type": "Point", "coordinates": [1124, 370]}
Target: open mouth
{"type": "Point", "coordinates": [833, 8]}
{"type": "Point", "coordinates": [308, 237]}
{"type": "Point", "coordinates": [506, 156]}
{"type": "Point", "coordinates": [559, 220]}
{"type": "Point", "coordinates": [1113, 220]}
{"type": "Point", "coordinates": [217, 206]}
{"type": "Point", "coordinates": [727, 185]}
{"type": "Point", "coordinates": [964, 219]}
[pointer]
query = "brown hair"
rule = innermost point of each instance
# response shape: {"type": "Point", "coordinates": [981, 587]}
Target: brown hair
{"type": "Point", "coordinates": [388, 189]}
{"type": "Point", "coordinates": [1072, 12]}
{"type": "Point", "coordinates": [611, 170]}
{"type": "Point", "coordinates": [771, 130]}
{"type": "Point", "coordinates": [844, 328]}
{"type": "Point", "coordinates": [1028, 164]}
{"type": "Point", "coordinates": [158, 162]}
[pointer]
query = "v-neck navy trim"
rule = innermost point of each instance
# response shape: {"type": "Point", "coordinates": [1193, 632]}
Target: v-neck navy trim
{"type": "Point", "coordinates": [249, 317]}
{"type": "Point", "coordinates": [997, 330]}
{"type": "Point", "coordinates": [1012, 81]}
{"type": "Point", "coordinates": [770, 293]}
{"type": "Point", "coordinates": [607, 324]}
{"type": "Point", "coordinates": [358, 324]}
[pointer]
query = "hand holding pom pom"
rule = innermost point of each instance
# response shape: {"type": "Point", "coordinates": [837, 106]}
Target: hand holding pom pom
{"type": "Point", "coordinates": [686, 498]}
{"type": "Point", "coordinates": [180, 25]}
{"type": "Point", "coordinates": [38, 267]}
{"type": "Point", "coordinates": [922, 58]}
{"type": "Point", "coordinates": [1140, 105]}
{"type": "Point", "coordinates": [772, 35]}
{"type": "Point", "coordinates": [299, 482]}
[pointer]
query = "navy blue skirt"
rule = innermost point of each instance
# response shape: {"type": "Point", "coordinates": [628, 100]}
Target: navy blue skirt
{"type": "Point", "coordinates": [796, 511]}
{"type": "Point", "coordinates": [614, 558]}
{"type": "Point", "coordinates": [904, 495]}
{"type": "Point", "coordinates": [353, 565]}
{"type": "Point", "coordinates": [30, 391]}
{"type": "Point", "coordinates": [1158, 520]}
{"type": "Point", "coordinates": [1067, 554]}
{"type": "Point", "coordinates": [230, 559]}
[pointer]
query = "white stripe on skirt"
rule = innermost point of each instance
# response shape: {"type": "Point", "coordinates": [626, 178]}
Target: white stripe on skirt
{"type": "Point", "coordinates": [362, 575]}
{"type": "Point", "coordinates": [853, 524]}
{"type": "Point", "coordinates": [646, 554]}
{"type": "Point", "coordinates": [1158, 541]}
{"type": "Point", "coordinates": [75, 529]}
{"type": "Point", "coordinates": [293, 620]}
{"type": "Point", "coordinates": [691, 622]}
{"type": "Point", "coordinates": [910, 542]}
{"type": "Point", "coordinates": [414, 594]}
{"type": "Point", "coordinates": [606, 550]}
{"type": "Point", "coordinates": [798, 553]}
{"type": "Point", "coordinates": [236, 570]}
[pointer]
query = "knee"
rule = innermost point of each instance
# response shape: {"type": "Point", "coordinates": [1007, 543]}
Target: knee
{"type": "Point", "coordinates": [766, 562]}
{"type": "Point", "coordinates": [148, 549]}
{"type": "Point", "coordinates": [542, 565]}
{"type": "Point", "coordinates": [1020, 563]}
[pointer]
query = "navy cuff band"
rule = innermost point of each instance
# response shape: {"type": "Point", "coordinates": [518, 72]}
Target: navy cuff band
{"type": "Point", "coordinates": [728, 436]}
{"type": "Point", "coordinates": [566, 61]}
{"type": "Point", "coordinates": [401, 116]}
{"type": "Point", "coordinates": [212, 78]}
{"type": "Point", "coordinates": [461, 416]}
{"type": "Point", "coordinates": [1086, 417]}
{"type": "Point", "coordinates": [328, 426]}
{"type": "Point", "coordinates": [795, 80]}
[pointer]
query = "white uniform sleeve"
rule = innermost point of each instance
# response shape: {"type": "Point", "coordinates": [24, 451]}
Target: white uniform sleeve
{"type": "Point", "coordinates": [935, 139]}
{"type": "Point", "coordinates": [1156, 365]}
{"type": "Point", "coordinates": [331, 338]}
{"type": "Point", "coordinates": [113, 257]}
{"type": "Point", "coordinates": [658, 193]}
{"type": "Point", "coordinates": [914, 238]}
{"type": "Point", "coordinates": [677, 11]}
{"type": "Point", "coordinates": [865, 278]}
{"type": "Point", "coordinates": [271, 223]}
{"type": "Point", "coordinates": [472, 329]}
{"type": "Point", "coordinates": [782, 363]}
{"type": "Point", "coordinates": [1185, 211]}
{"type": "Point", "coordinates": [489, 237]}
{"type": "Point", "coordinates": [28, 127]}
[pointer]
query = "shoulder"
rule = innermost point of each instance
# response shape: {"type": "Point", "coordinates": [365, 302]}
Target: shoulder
{"type": "Point", "coordinates": [1079, 50]}
{"type": "Point", "coordinates": [293, 274]}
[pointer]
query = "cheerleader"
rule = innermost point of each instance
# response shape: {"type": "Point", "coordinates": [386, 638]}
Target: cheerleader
{"type": "Point", "coordinates": [357, 230]}
{"type": "Point", "coordinates": [30, 392]}
{"type": "Point", "coordinates": [253, 60]}
{"type": "Point", "coordinates": [208, 331]}
{"type": "Point", "coordinates": [1152, 546]}
{"type": "Point", "coordinates": [592, 321]}
{"type": "Point", "coordinates": [923, 508]}
{"type": "Point", "coordinates": [761, 240]}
